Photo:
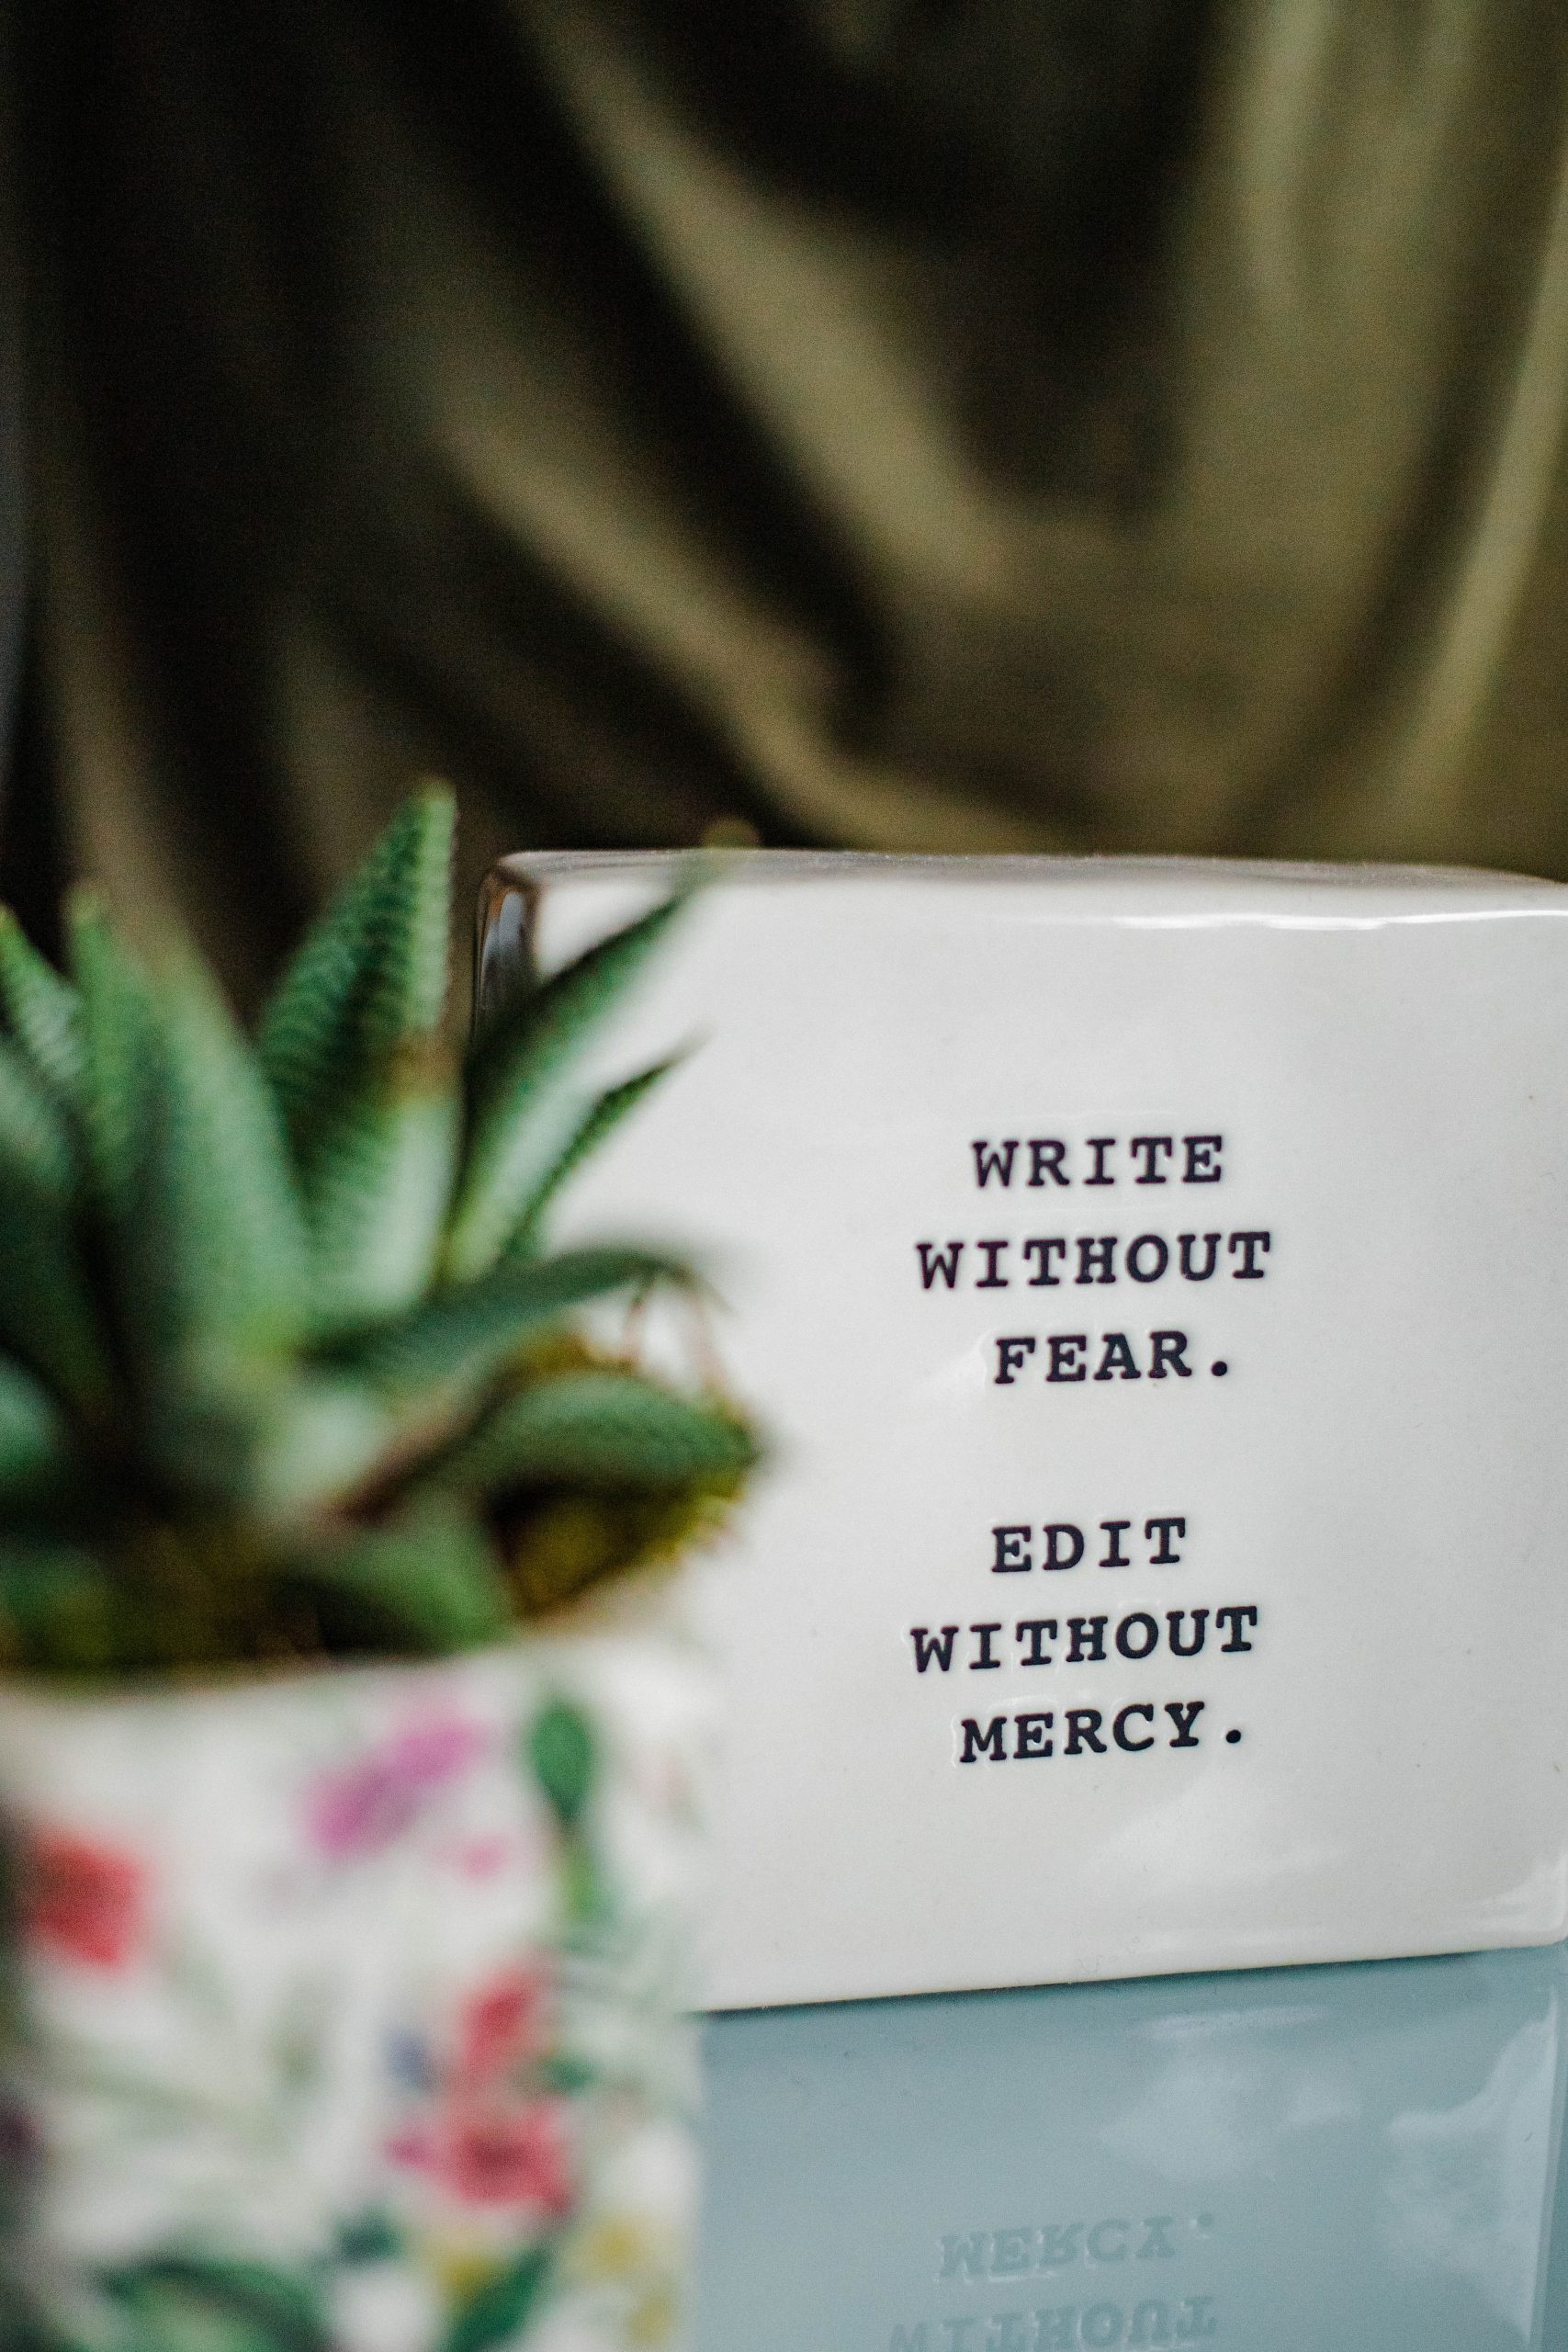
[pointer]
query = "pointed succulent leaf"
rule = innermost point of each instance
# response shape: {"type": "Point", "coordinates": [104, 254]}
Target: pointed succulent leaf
{"type": "Point", "coordinates": [600, 1429]}
{"type": "Point", "coordinates": [198, 1428]}
{"type": "Point", "coordinates": [429, 1582]}
{"type": "Point", "coordinates": [36, 1451]}
{"type": "Point", "coordinates": [250, 1434]}
{"type": "Point", "coordinates": [464, 1332]}
{"type": "Point", "coordinates": [372, 973]}
{"type": "Point", "coordinates": [598, 1122]}
{"type": "Point", "coordinates": [46, 1316]}
{"type": "Point", "coordinates": [42, 1009]}
{"type": "Point", "coordinates": [116, 1070]}
{"type": "Point", "coordinates": [318, 1440]}
{"type": "Point", "coordinates": [518, 1125]}
{"type": "Point", "coordinates": [35, 1141]}
{"type": "Point", "coordinates": [259, 1443]}
{"type": "Point", "coordinates": [268, 1441]}
{"type": "Point", "coordinates": [216, 1250]}
{"type": "Point", "coordinates": [380, 1185]}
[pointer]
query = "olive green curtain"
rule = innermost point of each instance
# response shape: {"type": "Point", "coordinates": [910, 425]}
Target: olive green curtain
{"type": "Point", "coordinates": [914, 424]}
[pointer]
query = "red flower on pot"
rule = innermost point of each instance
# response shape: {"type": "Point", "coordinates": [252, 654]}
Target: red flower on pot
{"type": "Point", "coordinates": [82, 1899]}
{"type": "Point", "coordinates": [501, 2023]}
{"type": "Point", "coordinates": [494, 2152]}
{"type": "Point", "coordinates": [509, 2155]}
{"type": "Point", "coordinates": [484, 2140]}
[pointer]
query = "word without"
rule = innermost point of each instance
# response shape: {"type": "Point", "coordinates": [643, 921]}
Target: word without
{"type": "Point", "coordinates": [1138, 1635]}
{"type": "Point", "coordinates": [1147, 1258]}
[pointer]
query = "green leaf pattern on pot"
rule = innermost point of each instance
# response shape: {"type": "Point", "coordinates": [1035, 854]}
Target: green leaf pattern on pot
{"type": "Point", "coordinates": [355, 2006]}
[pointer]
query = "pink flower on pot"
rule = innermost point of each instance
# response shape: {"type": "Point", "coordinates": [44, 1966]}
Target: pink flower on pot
{"type": "Point", "coordinates": [365, 1806]}
{"type": "Point", "coordinates": [83, 1899]}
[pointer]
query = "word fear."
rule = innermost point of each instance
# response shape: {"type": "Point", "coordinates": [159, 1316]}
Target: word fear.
{"type": "Point", "coordinates": [1068, 1357]}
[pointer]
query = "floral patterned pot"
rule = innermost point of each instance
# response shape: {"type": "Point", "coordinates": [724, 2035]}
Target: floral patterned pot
{"type": "Point", "coordinates": [347, 2008]}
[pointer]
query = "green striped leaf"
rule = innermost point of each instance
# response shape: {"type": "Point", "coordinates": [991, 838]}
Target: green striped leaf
{"type": "Point", "coordinates": [36, 1451]}
{"type": "Point", "coordinates": [596, 1125]}
{"type": "Point", "coordinates": [47, 1318]}
{"type": "Point", "coordinates": [116, 1072]}
{"type": "Point", "coordinates": [316, 1440]}
{"type": "Point", "coordinates": [600, 1429]}
{"type": "Point", "coordinates": [379, 1187]}
{"type": "Point", "coordinates": [215, 1247]}
{"type": "Point", "coordinates": [35, 1141]}
{"type": "Point", "coordinates": [43, 1009]}
{"type": "Point", "coordinates": [261, 1439]}
{"type": "Point", "coordinates": [371, 974]}
{"type": "Point", "coordinates": [518, 1122]}
{"type": "Point", "coordinates": [429, 1582]}
{"type": "Point", "coordinates": [465, 1331]}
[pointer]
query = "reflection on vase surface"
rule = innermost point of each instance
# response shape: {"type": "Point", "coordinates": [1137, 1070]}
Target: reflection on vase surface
{"type": "Point", "coordinates": [1364, 2157]}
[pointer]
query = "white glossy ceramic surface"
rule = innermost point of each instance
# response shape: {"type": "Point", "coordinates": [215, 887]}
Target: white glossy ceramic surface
{"type": "Point", "coordinates": [1350, 1449]}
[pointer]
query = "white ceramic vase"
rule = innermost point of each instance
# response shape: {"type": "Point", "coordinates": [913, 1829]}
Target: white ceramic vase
{"type": "Point", "coordinates": [348, 2007]}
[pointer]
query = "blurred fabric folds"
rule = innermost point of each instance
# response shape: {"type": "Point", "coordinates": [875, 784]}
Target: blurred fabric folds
{"type": "Point", "coordinates": [905, 424]}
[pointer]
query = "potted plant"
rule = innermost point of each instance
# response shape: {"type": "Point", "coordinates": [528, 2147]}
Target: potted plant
{"type": "Point", "coordinates": [346, 1776]}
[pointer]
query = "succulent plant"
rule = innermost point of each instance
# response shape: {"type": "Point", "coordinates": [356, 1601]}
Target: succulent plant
{"type": "Point", "coordinates": [286, 1369]}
